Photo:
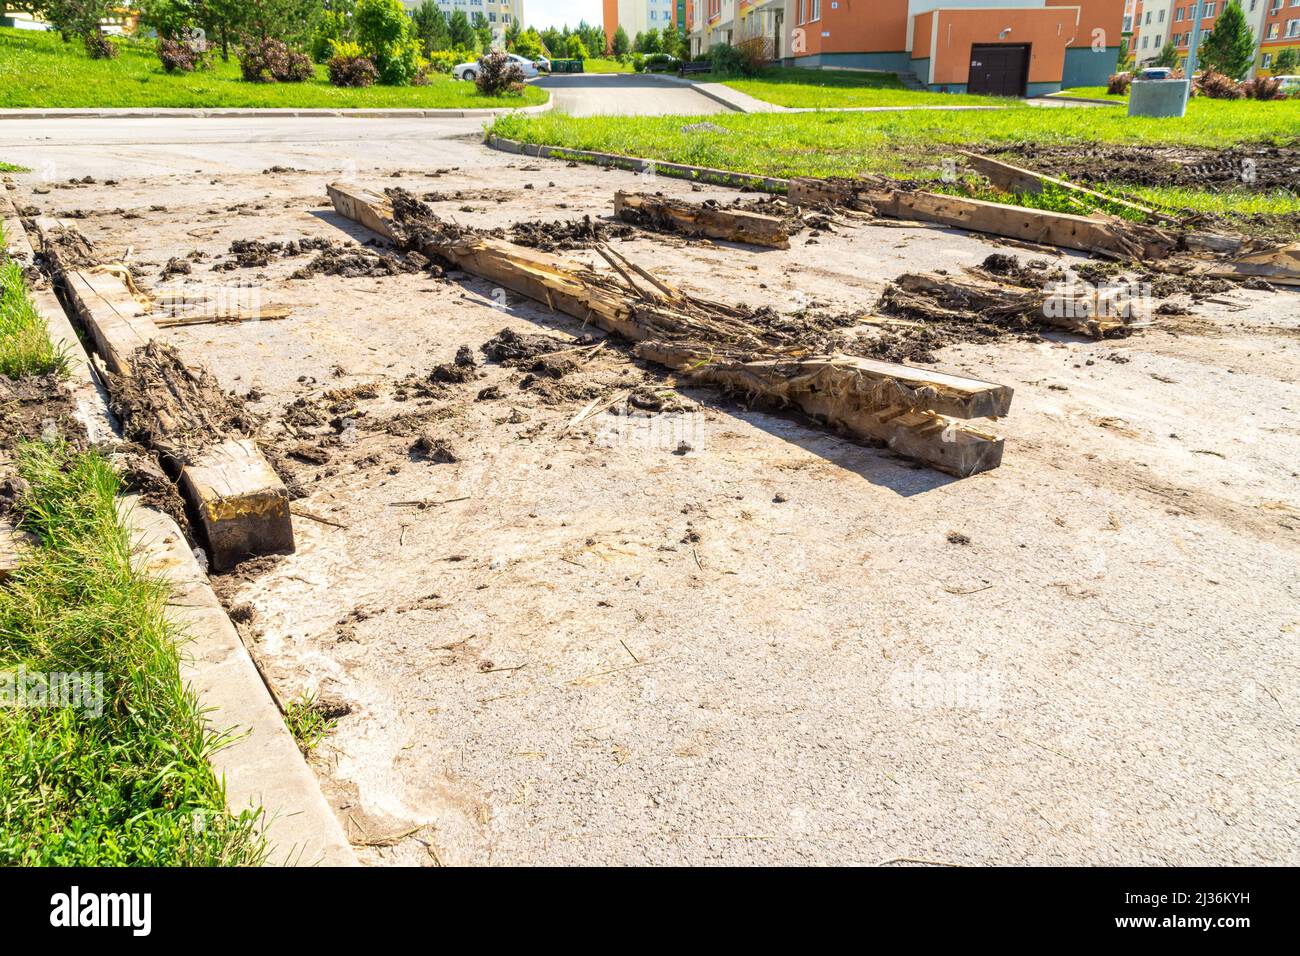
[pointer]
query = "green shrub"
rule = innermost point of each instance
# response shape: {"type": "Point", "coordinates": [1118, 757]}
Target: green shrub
{"type": "Point", "coordinates": [268, 61]}
{"type": "Point", "coordinates": [499, 75]}
{"type": "Point", "coordinates": [384, 33]}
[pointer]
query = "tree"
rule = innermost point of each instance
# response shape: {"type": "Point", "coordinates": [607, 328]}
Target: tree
{"type": "Point", "coordinates": [483, 30]}
{"type": "Point", "coordinates": [621, 44]}
{"type": "Point", "coordinates": [650, 42]}
{"type": "Point", "coordinates": [1168, 56]}
{"type": "Point", "coordinates": [291, 21]}
{"type": "Point", "coordinates": [462, 32]}
{"type": "Point", "coordinates": [1286, 62]}
{"type": "Point", "coordinates": [513, 30]}
{"type": "Point", "coordinates": [674, 43]}
{"type": "Point", "coordinates": [72, 18]}
{"type": "Point", "coordinates": [430, 26]}
{"type": "Point", "coordinates": [529, 44]}
{"type": "Point", "coordinates": [1230, 49]}
{"type": "Point", "coordinates": [575, 50]}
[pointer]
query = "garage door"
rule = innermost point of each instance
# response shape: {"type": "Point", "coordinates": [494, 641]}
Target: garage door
{"type": "Point", "coordinates": [999, 69]}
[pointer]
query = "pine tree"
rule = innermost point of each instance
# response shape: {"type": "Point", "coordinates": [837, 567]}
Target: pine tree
{"type": "Point", "coordinates": [484, 31]}
{"type": "Point", "coordinates": [462, 32]}
{"type": "Point", "coordinates": [431, 27]}
{"type": "Point", "coordinates": [1168, 56]}
{"type": "Point", "coordinates": [621, 43]}
{"type": "Point", "coordinates": [1286, 62]}
{"type": "Point", "coordinates": [1230, 49]}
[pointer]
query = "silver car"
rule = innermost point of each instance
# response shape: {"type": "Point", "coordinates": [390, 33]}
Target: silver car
{"type": "Point", "coordinates": [470, 71]}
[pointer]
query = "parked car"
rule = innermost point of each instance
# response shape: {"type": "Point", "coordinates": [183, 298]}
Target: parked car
{"type": "Point", "coordinates": [470, 71]}
{"type": "Point", "coordinates": [543, 64]}
{"type": "Point", "coordinates": [1290, 85]}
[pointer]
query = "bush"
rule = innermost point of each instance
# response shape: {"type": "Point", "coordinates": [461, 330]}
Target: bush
{"type": "Point", "coordinates": [442, 61]}
{"type": "Point", "coordinates": [499, 75]}
{"type": "Point", "coordinates": [384, 32]}
{"type": "Point", "coordinates": [181, 56]}
{"type": "Point", "coordinates": [349, 68]}
{"type": "Point", "coordinates": [1262, 88]}
{"type": "Point", "coordinates": [1217, 86]}
{"type": "Point", "coordinates": [744, 60]}
{"type": "Point", "coordinates": [1119, 84]}
{"type": "Point", "coordinates": [333, 27]}
{"type": "Point", "coordinates": [267, 60]}
{"type": "Point", "coordinates": [99, 47]}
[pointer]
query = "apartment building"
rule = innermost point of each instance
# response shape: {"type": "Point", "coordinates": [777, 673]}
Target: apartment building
{"type": "Point", "coordinates": [639, 16]}
{"type": "Point", "coordinates": [1275, 25]}
{"type": "Point", "coordinates": [1013, 47]}
{"type": "Point", "coordinates": [500, 13]}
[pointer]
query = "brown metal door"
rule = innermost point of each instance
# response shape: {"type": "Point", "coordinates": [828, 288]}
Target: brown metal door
{"type": "Point", "coordinates": [999, 69]}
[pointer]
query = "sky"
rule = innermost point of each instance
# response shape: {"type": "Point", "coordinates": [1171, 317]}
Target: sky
{"type": "Point", "coordinates": [556, 13]}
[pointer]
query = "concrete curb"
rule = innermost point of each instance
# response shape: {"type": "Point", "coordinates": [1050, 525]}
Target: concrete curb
{"type": "Point", "coordinates": [1081, 99]}
{"type": "Point", "coordinates": [739, 103]}
{"type": "Point", "coordinates": [264, 766]}
{"type": "Point", "coordinates": [213, 113]}
{"type": "Point", "coordinates": [701, 174]}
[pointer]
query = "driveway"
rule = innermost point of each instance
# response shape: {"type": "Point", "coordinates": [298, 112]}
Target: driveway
{"type": "Point", "coordinates": [604, 94]}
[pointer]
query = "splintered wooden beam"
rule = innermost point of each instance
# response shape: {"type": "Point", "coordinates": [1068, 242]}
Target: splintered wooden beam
{"type": "Point", "coordinates": [1110, 237]}
{"type": "Point", "coordinates": [1014, 179]}
{"type": "Point", "coordinates": [698, 219]}
{"type": "Point", "coordinates": [900, 406]}
{"type": "Point", "coordinates": [240, 501]}
{"type": "Point", "coordinates": [1280, 265]}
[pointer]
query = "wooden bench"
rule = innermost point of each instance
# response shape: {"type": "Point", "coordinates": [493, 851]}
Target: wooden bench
{"type": "Point", "coordinates": [698, 66]}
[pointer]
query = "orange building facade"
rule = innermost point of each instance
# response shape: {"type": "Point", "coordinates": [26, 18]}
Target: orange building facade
{"type": "Point", "coordinates": [1011, 47]}
{"type": "Point", "coordinates": [1275, 25]}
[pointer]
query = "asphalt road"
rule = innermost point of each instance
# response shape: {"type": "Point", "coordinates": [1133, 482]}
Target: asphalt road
{"type": "Point", "coordinates": [627, 94]}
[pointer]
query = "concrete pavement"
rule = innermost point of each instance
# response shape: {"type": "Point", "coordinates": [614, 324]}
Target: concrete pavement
{"type": "Point", "coordinates": [639, 94]}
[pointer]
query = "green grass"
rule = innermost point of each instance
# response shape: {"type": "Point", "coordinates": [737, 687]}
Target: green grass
{"type": "Point", "coordinates": [822, 89]}
{"type": "Point", "coordinates": [904, 143]}
{"type": "Point", "coordinates": [25, 347]}
{"type": "Point", "coordinates": [11, 168]}
{"type": "Point", "coordinates": [39, 70]}
{"type": "Point", "coordinates": [596, 64]}
{"type": "Point", "coordinates": [131, 785]}
{"type": "Point", "coordinates": [915, 144]}
{"type": "Point", "coordinates": [306, 722]}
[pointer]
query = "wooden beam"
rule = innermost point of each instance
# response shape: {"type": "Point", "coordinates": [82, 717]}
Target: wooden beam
{"type": "Point", "coordinates": [1015, 179]}
{"type": "Point", "coordinates": [897, 405]}
{"type": "Point", "coordinates": [1110, 237]}
{"type": "Point", "coordinates": [241, 504]}
{"type": "Point", "coordinates": [697, 219]}
{"type": "Point", "coordinates": [1279, 265]}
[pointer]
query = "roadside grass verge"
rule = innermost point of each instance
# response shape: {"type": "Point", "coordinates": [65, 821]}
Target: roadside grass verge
{"type": "Point", "coordinates": [124, 780]}
{"type": "Point", "coordinates": [11, 168]}
{"type": "Point", "coordinates": [914, 145]}
{"type": "Point", "coordinates": [821, 89]}
{"type": "Point", "coordinates": [39, 70]}
{"type": "Point", "coordinates": [25, 347]}
{"type": "Point", "coordinates": [598, 64]}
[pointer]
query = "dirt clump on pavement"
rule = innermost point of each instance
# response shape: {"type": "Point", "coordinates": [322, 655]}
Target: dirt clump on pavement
{"type": "Point", "coordinates": [463, 368]}
{"type": "Point", "coordinates": [178, 410]}
{"type": "Point", "coordinates": [565, 235]}
{"type": "Point", "coordinates": [355, 263]}
{"type": "Point", "coordinates": [431, 448]}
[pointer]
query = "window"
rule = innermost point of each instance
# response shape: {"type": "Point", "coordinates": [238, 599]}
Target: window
{"type": "Point", "coordinates": [1267, 61]}
{"type": "Point", "coordinates": [1161, 18]}
{"type": "Point", "coordinates": [1293, 28]}
{"type": "Point", "coordinates": [816, 13]}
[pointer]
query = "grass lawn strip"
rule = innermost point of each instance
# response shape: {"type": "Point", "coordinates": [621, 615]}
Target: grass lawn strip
{"type": "Point", "coordinates": [120, 777]}
{"type": "Point", "coordinates": [25, 346]}
{"type": "Point", "coordinates": [914, 145]}
{"type": "Point", "coordinates": [38, 70]}
{"type": "Point", "coordinates": [821, 89]}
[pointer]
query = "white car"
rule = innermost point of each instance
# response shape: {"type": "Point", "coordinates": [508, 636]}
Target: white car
{"type": "Point", "coordinates": [1290, 85]}
{"type": "Point", "coordinates": [470, 71]}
